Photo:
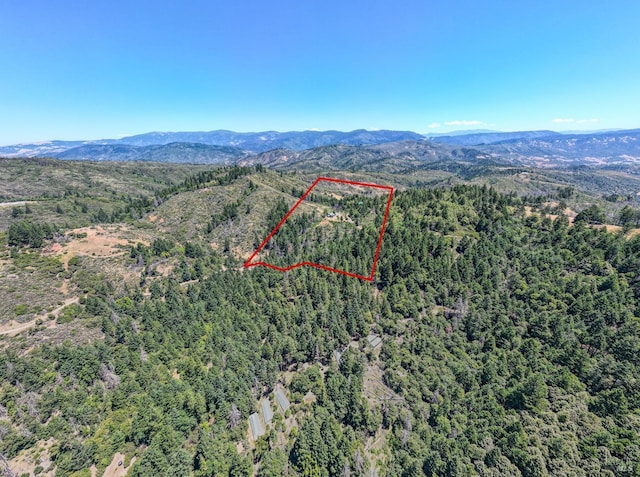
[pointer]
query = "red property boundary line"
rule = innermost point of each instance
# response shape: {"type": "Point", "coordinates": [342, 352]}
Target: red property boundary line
{"type": "Point", "coordinates": [369, 278]}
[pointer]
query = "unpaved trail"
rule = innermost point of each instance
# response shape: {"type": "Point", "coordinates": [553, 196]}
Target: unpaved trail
{"type": "Point", "coordinates": [15, 204]}
{"type": "Point", "coordinates": [16, 328]}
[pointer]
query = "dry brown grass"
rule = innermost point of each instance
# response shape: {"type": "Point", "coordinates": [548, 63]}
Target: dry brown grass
{"type": "Point", "coordinates": [23, 179]}
{"type": "Point", "coordinates": [100, 241]}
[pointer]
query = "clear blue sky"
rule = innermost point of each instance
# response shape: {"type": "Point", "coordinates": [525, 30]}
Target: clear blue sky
{"type": "Point", "coordinates": [98, 69]}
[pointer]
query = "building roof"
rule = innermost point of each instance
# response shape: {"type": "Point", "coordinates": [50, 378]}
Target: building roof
{"type": "Point", "coordinates": [256, 426]}
{"type": "Point", "coordinates": [374, 340]}
{"type": "Point", "coordinates": [267, 413]}
{"type": "Point", "coordinates": [283, 402]}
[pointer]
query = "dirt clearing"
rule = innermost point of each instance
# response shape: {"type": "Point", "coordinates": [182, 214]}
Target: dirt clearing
{"type": "Point", "coordinates": [97, 241]}
{"type": "Point", "coordinates": [117, 468]}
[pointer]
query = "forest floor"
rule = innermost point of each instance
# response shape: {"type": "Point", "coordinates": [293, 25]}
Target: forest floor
{"type": "Point", "coordinates": [570, 213]}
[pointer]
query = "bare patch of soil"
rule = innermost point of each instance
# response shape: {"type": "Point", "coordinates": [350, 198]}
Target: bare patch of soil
{"type": "Point", "coordinates": [116, 468]}
{"type": "Point", "coordinates": [375, 391]}
{"type": "Point", "coordinates": [632, 233]}
{"type": "Point", "coordinates": [164, 268]}
{"type": "Point", "coordinates": [100, 241]}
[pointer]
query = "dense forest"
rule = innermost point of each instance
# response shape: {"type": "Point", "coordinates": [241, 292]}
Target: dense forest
{"type": "Point", "coordinates": [510, 346]}
{"type": "Point", "coordinates": [345, 239]}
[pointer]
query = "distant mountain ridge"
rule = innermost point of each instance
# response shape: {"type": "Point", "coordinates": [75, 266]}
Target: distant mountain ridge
{"type": "Point", "coordinates": [359, 148]}
{"type": "Point", "coordinates": [175, 152]}
{"type": "Point", "coordinates": [395, 157]}
{"type": "Point", "coordinates": [537, 149]}
{"type": "Point", "coordinates": [267, 140]}
{"type": "Point", "coordinates": [461, 132]}
{"type": "Point", "coordinates": [40, 149]}
{"type": "Point", "coordinates": [252, 142]}
{"type": "Point", "coordinates": [490, 137]}
{"type": "Point", "coordinates": [559, 150]}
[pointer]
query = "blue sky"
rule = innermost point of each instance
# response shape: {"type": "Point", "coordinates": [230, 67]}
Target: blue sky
{"type": "Point", "coordinates": [98, 69]}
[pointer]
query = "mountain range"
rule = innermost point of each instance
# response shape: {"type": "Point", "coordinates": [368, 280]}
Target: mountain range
{"type": "Point", "coordinates": [363, 149]}
{"type": "Point", "coordinates": [473, 138]}
{"type": "Point", "coordinates": [176, 152]}
{"type": "Point", "coordinates": [250, 143]}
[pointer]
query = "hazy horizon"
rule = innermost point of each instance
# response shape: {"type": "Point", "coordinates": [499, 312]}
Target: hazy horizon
{"type": "Point", "coordinates": [439, 133]}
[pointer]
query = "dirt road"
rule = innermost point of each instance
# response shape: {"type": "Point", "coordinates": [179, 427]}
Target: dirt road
{"type": "Point", "coordinates": [11, 330]}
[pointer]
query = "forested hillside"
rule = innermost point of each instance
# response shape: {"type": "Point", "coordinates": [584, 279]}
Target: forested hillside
{"type": "Point", "coordinates": [510, 346]}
